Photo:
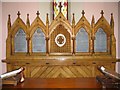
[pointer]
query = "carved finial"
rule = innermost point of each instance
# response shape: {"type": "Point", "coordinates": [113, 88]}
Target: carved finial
{"type": "Point", "coordinates": [18, 13]}
{"type": "Point", "coordinates": [102, 13]}
{"type": "Point", "coordinates": [73, 20]}
{"type": "Point", "coordinates": [38, 13]}
{"type": "Point", "coordinates": [112, 21]}
{"type": "Point", "coordinates": [47, 20]}
{"type": "Point", "coordinates": [60, 6]}
{"type": "Point", "coordinates": [28, 21]}
{"type": "Point", "coordinates": [111, 14]}
{"type": "Point", "coordinates": [93, 21]}
{"type": "Point", "coordinates": [9, 16]}
{"type": "Point", "coordinates": [9, 21]}
{"type": "Point", "coordinates": [83, 12]}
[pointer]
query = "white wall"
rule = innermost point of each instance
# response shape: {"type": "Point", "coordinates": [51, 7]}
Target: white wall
{"type": "Point", "coordinates": [0, 36]}
{"type": "Point", "coordinates": [91, 8]}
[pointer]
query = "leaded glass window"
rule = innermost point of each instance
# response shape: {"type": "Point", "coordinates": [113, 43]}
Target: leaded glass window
{"type": "Point", "coordinates": [38, 41]}
{"type": "Point", "coordinates": [20, 41]}
{"type": "Point", "coordinates": [82, 42]}
{"type": "Point", "coordinates": [64, 8]}
{"type": "Point", "coordinates": [100, 41]}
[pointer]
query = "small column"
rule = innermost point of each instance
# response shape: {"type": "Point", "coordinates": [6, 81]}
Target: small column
{"type": "Point", "coordinates": [28, 44]}
{"type": "Point", "coordinates": [113, 40]}
{"type": "Point", "coordinates": [92, 35]}
{"type": "Point", "coordinates": [8, 41]}
{"type": "Point", "coordinates": [47, 35]}
{"type": "Point", "coordinates": [28, 39]}
{"type": "Point", "coordinates": [73, 33]}
{"type": "Point", "coordinates": [47, 46]}
{"type": "Point", "coordinates": [12, 46]}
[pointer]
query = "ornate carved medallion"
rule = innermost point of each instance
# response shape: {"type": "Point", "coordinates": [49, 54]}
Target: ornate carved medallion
{"type": "Point", "coordinates": [60, 40]}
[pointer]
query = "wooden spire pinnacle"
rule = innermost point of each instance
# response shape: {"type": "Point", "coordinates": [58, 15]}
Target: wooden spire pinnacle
{"type": "Point", "coordinates": [73, 20]}
{"type": "Point", "coordinates": [112, 21]}
{"type": "Point", "coordinates": [47, 20]}
{"type": "Point", "coordinates": [28, 21]}
{"type": "Point", "coordinates": [93, 21]}
{"type": "Point", "coordinates": [9, 22]}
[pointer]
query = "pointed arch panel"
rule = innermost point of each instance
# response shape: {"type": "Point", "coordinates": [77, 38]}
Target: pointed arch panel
{"type": "Point", "coordinates": [100, 41]}
{"type": "Point", "coordinates": [82, 41]}
{"type": "Point", "coordinates": [20, 42]}
{"type": "Point", "coordinates": [38, 41]}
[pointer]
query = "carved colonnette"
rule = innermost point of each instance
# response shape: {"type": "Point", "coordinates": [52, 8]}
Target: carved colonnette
{"type": "Point", "coordinates": [60, 58]}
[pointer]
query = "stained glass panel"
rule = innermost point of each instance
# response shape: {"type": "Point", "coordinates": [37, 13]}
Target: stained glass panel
{"type": "Point", "coordinates": [38, 41]}
{"type": "Point", "coordinates": [82, 42]}
{"type": "Point", "coordinates": [20, 41]}
{"type": "Point", "coordinates": [100, 41]}
{"type": "Point", "coordinates": [64, 8]}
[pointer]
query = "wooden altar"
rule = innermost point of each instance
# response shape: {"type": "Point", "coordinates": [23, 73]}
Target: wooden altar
{"type": "Point", "coordinates": [56, 84]}
{"type": "Point", "coordinates": [60, 54]}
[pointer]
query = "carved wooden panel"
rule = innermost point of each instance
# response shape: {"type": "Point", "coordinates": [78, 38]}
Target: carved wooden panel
{"type": "Point", "coordinates": [63, 71]}
{"type": "Point", "coordinates": [54, 48]}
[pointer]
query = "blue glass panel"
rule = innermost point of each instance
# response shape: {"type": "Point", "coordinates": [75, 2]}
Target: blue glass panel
{"type": "Point", "coordinates": [38, 41]}
{"type": "Point", "coordinates": [100, 41]}
{"type": "Point", "coordinates": [20, 41]}
{"type": "Point", "coordinates": [82, 42]}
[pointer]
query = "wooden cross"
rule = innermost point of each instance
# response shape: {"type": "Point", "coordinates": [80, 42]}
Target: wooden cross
{"type": "Point", "coordinates": [102, 12]}
{"type": "Point", "coordinates": [18, 13]}
{"type": "Point", "coordinates": [38, 13]}
{"type": "Point", "coordinates": [60, 6]}
{"type": "Point", "coordinates": [83, 12]}
{"type": "Point", "coordinates": [60, 39]}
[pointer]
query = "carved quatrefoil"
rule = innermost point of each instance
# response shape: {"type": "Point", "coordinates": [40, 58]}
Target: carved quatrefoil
{"type": "Point", "coordinates": [60, 40]}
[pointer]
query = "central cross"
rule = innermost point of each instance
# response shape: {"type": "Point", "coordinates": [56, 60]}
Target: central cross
{"type": "Point", "coordinates": [60, 40]}
{"type": "Point", "coordinates": [60, 6]}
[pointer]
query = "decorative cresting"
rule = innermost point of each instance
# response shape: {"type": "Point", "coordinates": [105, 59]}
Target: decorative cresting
{"type": "Point", "coordinates": [60, 49]}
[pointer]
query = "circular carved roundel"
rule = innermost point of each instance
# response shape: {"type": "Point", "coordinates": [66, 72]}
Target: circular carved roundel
{"type": "Point", "coordinates": [60, 40]}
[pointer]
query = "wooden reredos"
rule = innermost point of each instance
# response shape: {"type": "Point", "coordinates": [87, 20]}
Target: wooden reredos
{"type": "Point", "coordinates": [60, 25]}
{"type": "Point", "coordinates": [59, 48]}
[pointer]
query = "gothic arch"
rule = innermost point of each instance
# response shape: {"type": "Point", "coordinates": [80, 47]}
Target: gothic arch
{"type": "Point", "coordinates": [60, 19]}
{"type": "Point", "coordinates": [37, 23]}
{"type": "Point", "coordinates": [102, 23]}
{"type": "Point", "coordinates": [17, 25]}
{"type": "Point", "coordinates": [83, 23]}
